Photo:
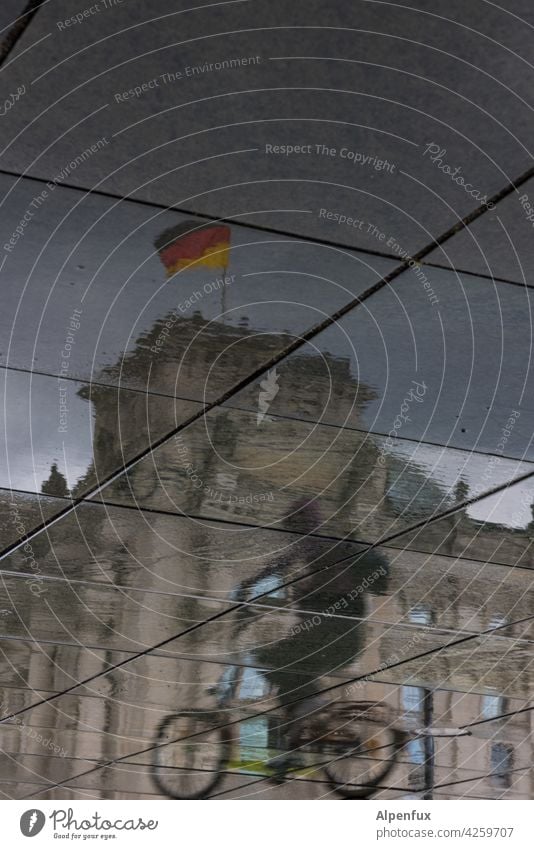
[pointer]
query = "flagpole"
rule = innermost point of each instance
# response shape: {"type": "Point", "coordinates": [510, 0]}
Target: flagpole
{"type": "Point", "coordinates": [223, 295]}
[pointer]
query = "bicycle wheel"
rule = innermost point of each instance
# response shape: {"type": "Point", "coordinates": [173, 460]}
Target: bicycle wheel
{"type": "Point", "coordinates": [358, 767]}
{"type": "Point", "coordinates": [188, 768]}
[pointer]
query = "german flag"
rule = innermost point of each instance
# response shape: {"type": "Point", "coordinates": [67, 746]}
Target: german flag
{"type": "Point", "coordinates": [190, 244]}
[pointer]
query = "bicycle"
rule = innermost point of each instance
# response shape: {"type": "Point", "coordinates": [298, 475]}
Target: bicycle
{"type": "Point", "coordinates": [355, 744]}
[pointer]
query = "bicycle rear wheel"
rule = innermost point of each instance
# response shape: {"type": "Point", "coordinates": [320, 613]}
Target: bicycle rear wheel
{"type": "Point", "coordinates": [189, 768]}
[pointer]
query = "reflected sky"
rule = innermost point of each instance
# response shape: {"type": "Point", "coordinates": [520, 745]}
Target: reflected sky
{"type": "Point", "coordinates": [511, 508]}
{"type": "Point", "coordinates": [31, 436]}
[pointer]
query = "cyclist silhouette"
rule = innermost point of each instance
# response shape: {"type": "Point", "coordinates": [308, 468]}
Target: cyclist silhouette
{"type": "Point", "coordinates": [332, 605]}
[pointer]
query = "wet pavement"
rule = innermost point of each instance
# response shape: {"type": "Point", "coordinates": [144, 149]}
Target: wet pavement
{"type": "Point", "coordinates": [266, 473]}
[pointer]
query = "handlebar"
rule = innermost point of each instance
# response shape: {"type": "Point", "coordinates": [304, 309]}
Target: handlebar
{"type": "Point", "coordinates": [440, 732]}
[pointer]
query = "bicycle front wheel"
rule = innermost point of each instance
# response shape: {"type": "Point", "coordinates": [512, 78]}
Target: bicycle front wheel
{"type": "Point", "coordinates": [355, 771]}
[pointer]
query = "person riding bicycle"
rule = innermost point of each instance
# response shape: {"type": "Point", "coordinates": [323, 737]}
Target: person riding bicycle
{"type": "Point", "coordinates": [323, 642]}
